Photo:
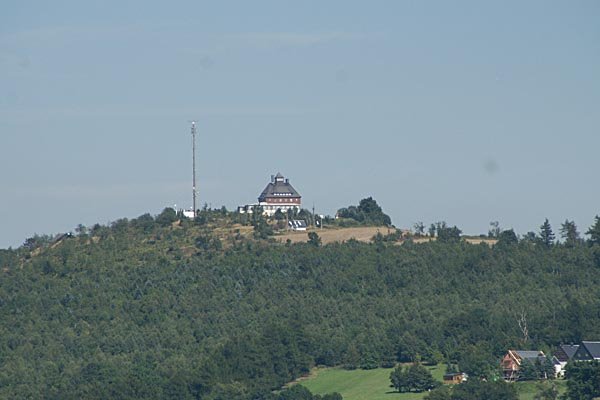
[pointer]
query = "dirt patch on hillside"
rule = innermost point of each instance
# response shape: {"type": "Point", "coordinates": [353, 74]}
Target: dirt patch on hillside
{"type": "Point", "coordinates": [313, 373]}
{"type": "Point", "coordinates": [330, 235]}
{"type": "Point", "coordinates": [488, 241]}
{"type": "Point", "coordinates": [471, 240]}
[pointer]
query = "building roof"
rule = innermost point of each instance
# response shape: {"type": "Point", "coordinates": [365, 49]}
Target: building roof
{"type": "Point", "coordinates": [453, 374]}
{"type": "Point", "coordinates": [278, 187]}
{"type": "Point", "coordinates": [593, 348]}
{"type": "Point", "coordinates": [297, 224]}
{"type": "Point", "coordinates": [530, 355]}
{"type": "Point", "coordinates": [566, 351]}
{"type": "Point", "coordinates": [555, 360]}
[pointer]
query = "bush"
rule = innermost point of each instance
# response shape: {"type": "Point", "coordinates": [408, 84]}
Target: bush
{"type": "Point", "coordinates": [476, 390]}
{"type": "Point", "coordinates": [166, 217]}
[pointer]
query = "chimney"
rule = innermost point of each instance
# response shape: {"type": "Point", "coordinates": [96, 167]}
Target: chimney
{"type": "Point", "coordinates": [272, 178]}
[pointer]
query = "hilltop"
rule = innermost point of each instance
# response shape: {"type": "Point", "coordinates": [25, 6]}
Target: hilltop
{"type": "Point", "coordinates": [212, 308]}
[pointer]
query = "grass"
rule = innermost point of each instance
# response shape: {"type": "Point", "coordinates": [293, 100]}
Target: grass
{"type": "Point", "coordinates": [359, 384]}
{"type": "Point", "coordinates": [375, 384]}
{"type": "Point", "coordinates": [527, 390]}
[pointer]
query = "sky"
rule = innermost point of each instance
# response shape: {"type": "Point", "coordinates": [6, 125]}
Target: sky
{"type": "Point", "coordinates": [465, 112]}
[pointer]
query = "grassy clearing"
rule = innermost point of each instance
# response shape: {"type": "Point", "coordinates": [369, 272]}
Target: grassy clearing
{"type": "Point", "coordinates": [527, 390]}
{"type": "Point", "coordinates": [362, 385]}
{"type": "Point", "coordinates": [375, 384]}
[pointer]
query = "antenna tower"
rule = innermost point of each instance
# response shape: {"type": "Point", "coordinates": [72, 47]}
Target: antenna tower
{"type": "Point", "coordinates": [194, 166]}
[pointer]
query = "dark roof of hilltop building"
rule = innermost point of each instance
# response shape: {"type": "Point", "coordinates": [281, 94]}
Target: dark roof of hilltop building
{"type": "Point", "coordinates": [278, 187]}
{"type": "Point", "coordinates": [566, 351]}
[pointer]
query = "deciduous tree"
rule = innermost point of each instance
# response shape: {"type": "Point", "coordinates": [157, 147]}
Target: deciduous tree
{"type": "Point", "coordinates": [507, 238]}
{"type": "Point", "coordinates": [314, 239]}
{"type": "Point", "coordinates": [475, 389]}
{"type": "Point", "coordinates": [419, 228]}
{"type": "Point", "coordinates": [448, 234]}
{"type": "Point", "coordinates": [494, 230]}
{"type": "Point", "coordinates": [568, 231]}
{"type": "Point", "coordinates": [415, 378]}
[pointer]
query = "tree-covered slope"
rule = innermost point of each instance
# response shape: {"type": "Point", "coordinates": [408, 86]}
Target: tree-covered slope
{"type": "Point", "coordinates": [150, 309]}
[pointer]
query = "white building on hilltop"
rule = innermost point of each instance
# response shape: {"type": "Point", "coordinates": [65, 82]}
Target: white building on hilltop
{"type": "Point", "coordinates": [278, 195]}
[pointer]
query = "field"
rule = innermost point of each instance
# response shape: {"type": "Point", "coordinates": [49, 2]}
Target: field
{"type": "Point", "coordinates": [375, 384]}
{"type": "Point", "coordinates": [362, 234]}
{"type": "Point", "coordinates": [468, 239]}
{"type": "Point", "coordinates": [527, 390]}
{"type": "Point", "coordinates": [330, 235]}
{"type": "Point", "coordinates": [360, 384]}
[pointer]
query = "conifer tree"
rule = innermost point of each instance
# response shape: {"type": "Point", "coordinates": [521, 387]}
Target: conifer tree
{"type": "Point", "coordinates": [546, 234]}
{"type": "Point", "coordinates": [528, 371]}
{"type": "Point", "coordinates": [594, 231]}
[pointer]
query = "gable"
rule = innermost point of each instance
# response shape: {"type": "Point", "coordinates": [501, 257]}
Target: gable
{"type": "Point", "coordinates": [511, 360]}
{"type": "Point", "coordinates": [588, 351]}
{"type": "Point", "coordinates": [565, 352]}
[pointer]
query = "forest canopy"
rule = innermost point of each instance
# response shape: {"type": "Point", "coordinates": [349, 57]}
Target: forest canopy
{"type": "Point", "coordinates": [161, 308]}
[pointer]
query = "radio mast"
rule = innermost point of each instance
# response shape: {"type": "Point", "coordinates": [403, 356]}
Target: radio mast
{"type": "Point", "coordinates": [194, 167]}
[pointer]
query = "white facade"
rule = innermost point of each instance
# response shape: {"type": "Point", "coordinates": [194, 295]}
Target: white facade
{"type": "Point", "coordinates": [188, 213]}
{"type": "Point", "coordinates": [559, 369]}
{"type": "Point", "coordinates": [269, 209]}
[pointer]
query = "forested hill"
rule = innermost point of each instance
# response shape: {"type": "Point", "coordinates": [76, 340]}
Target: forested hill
{"type": "Point", "coordinates": [150, 309]}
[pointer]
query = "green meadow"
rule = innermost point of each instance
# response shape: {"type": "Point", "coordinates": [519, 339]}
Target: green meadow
{"type": "Point", "coordinates": [527, 390]}
{"type": "Point", "coordinates": [375, 384]}
{"type": "Point", "coordinates": [359, 384]}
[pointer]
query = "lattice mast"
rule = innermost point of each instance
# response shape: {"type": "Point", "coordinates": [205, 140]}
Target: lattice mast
{"type": "Point", "coordinates": [194, 166]}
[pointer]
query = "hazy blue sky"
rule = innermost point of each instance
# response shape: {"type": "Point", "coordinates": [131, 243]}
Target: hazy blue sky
{"type": "Point", "coordinates": [464, 111]}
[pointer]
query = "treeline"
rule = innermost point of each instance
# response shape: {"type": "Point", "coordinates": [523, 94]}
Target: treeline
{"type": "Point", "coordinates": [155, 308]}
